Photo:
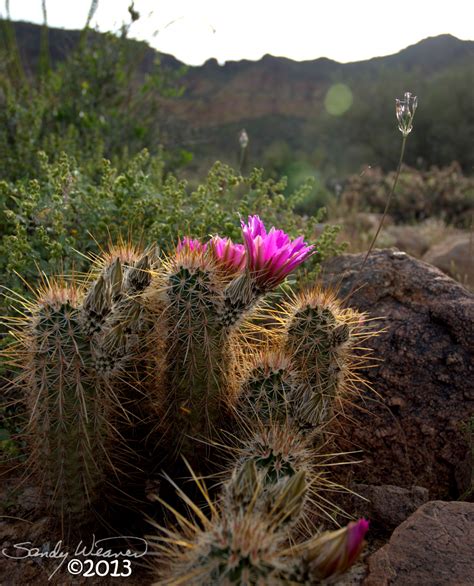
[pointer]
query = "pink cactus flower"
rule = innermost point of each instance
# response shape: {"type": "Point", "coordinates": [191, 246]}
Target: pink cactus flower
{"type": "Point", "coordinates": [333, 552]}
{"type": "Point", "coordinates": [192, 244]}
{"type": "Point", "coordinates": [230, 256]}
{"type": "Point", "coordinates": [355, 538]}
{"type": "Point", "coordinates": [271, 256]}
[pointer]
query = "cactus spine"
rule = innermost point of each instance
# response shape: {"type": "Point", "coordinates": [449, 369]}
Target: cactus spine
{"type": "Point", "coordinates": [189, 289]}
{"type": "Point", "coordinates": [68, 418]}
{"type": "Point", "coordinates": [78, 353]}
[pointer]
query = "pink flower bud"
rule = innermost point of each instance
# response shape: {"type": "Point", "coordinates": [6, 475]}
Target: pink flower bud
{"type": "Point", "coordinates": [192, 244]}
{"type": "Point", "coordinates": [333, 552]}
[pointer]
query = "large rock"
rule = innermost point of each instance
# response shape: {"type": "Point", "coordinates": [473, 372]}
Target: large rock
{"type": "Point", "coordinates": [455, 257]}
{"type": "Point", "coordinates": [387, 506]}
{"type": "Point", "coordinates": [434, 546]}
{"type": "Point", "coordinates": [410, 239]}
{"type": "Point", "coordinates": [414, 431]}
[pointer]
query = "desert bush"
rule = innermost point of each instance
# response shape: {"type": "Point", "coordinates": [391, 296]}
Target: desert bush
{"type": "Point", "coordinates": [444, 193]}
{"type": "Point", "coordinates": [96, 103]}
{"type": "Point", "coordinates": [46, 220]}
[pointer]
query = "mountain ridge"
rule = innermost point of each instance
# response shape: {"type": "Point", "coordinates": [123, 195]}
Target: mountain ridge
{"type": "Point", "coordinates": [283, 101]}
{"type": "Point", "coordinates": [445, 37]}
{"type": "Point", "coordinates": [220, 94]}
{"type": "Point", "coordinates": [438, 42]}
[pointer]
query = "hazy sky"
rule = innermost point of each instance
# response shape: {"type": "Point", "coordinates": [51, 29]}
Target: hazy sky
{"type": "Point", "coordinates": [195, 30]}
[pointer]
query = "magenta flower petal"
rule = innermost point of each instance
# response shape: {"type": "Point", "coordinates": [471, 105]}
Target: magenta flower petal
{"type": "Point", "coordinates": [333, 552]}
{"type": "Point", "coordinates": [255, 226]}
{"type": "Point", "coordinates": [230, 256]}
{"type": "Point", "coordinates": [192, 244]}
{"type": "Point", "coordinates": [298, 244]}
{"type": "Point", "coordinates": [355, 538]}
{"type": "Point", "coordinates": [271, 256]}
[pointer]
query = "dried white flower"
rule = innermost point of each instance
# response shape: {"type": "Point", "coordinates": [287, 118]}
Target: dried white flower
{"type": "Point", "coordinates": [405, 110]}
{"type": "Point", "coordinates": [243, 139]}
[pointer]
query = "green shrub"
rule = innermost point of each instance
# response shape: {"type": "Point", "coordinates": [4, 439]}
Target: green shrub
{"type": "Point", "coordinates": [443, 193]}
{"type": "Point", "coordinates": [96, 103]}
{"type": "Point", "coordinates": [47, 219]}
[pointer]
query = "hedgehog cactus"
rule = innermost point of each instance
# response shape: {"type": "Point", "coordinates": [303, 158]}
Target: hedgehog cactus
{"type": "Point", "coordinates": [68, 422]}
{"type": "Point", "coordinates": [189, 289]}
{"type": "Point", "coordinates": [78, 348]}
{"type": "Point", "coordinates": [268, 386]}
{"type": "Point", "coordinates": [204, 291]}
{"type": "Point", "coordinates": [310, 364]}
{"type": "Point", "coordinates": [235, 546]}
{"type": "Point", "coordinates": [114, 308]}
{"type": "Point", "coordinates": [116, 342]}
{"type": "Point", "coordinates": [230, 550]}
{"type": "Point", "coordinates": [165, 339]}
{"type": "Point", "coordinates": [319, 338]}
{"type": "Point", "coordinates": [274, 471]}
{"type": "Point", "coordinates": [243, 545]}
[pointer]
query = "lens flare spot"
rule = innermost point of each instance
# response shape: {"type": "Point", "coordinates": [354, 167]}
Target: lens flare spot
{"type": "Point", "coordinates": [338, 99]}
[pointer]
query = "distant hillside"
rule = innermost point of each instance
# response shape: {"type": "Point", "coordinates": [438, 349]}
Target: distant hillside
{"type": "Point", "coordinates": [275, 85]}
{"type": "Point", "coordinates": [282, 102]}
{"type": "Point", "coordinates": [62, 42]}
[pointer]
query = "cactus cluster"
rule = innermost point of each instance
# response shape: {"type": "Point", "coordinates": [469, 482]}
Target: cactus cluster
{"type": "Point", "coordinates": [172, 344]}
{"type": "Point", "coordinates": [239, 543]}
{"type": "Point", "coordinates": [78, 351]}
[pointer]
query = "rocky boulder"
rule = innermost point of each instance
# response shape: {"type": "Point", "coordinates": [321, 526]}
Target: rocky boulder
{"type": "Point", "coordinates": [386, 506]}
{"type": "Point", "coordinates": [410, 239]}
{"type": "Point", "coordinates": [434, 546]}
{"type": "Point", "coordinates": [455, 257]}
{"type": "Point", "coordinates": [414, 429]}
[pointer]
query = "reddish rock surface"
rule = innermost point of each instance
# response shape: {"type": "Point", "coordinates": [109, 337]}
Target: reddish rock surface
{"type": "Point", "coordinates": [387, 506]}
{"type": "Point", "coordinates": [434, 547]}
{"type": "Point", "coordinates": [415, 431]}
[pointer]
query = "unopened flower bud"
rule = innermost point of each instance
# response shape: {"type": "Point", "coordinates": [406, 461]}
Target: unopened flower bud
{"type": "Point", "coordinates": [333, 552]}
